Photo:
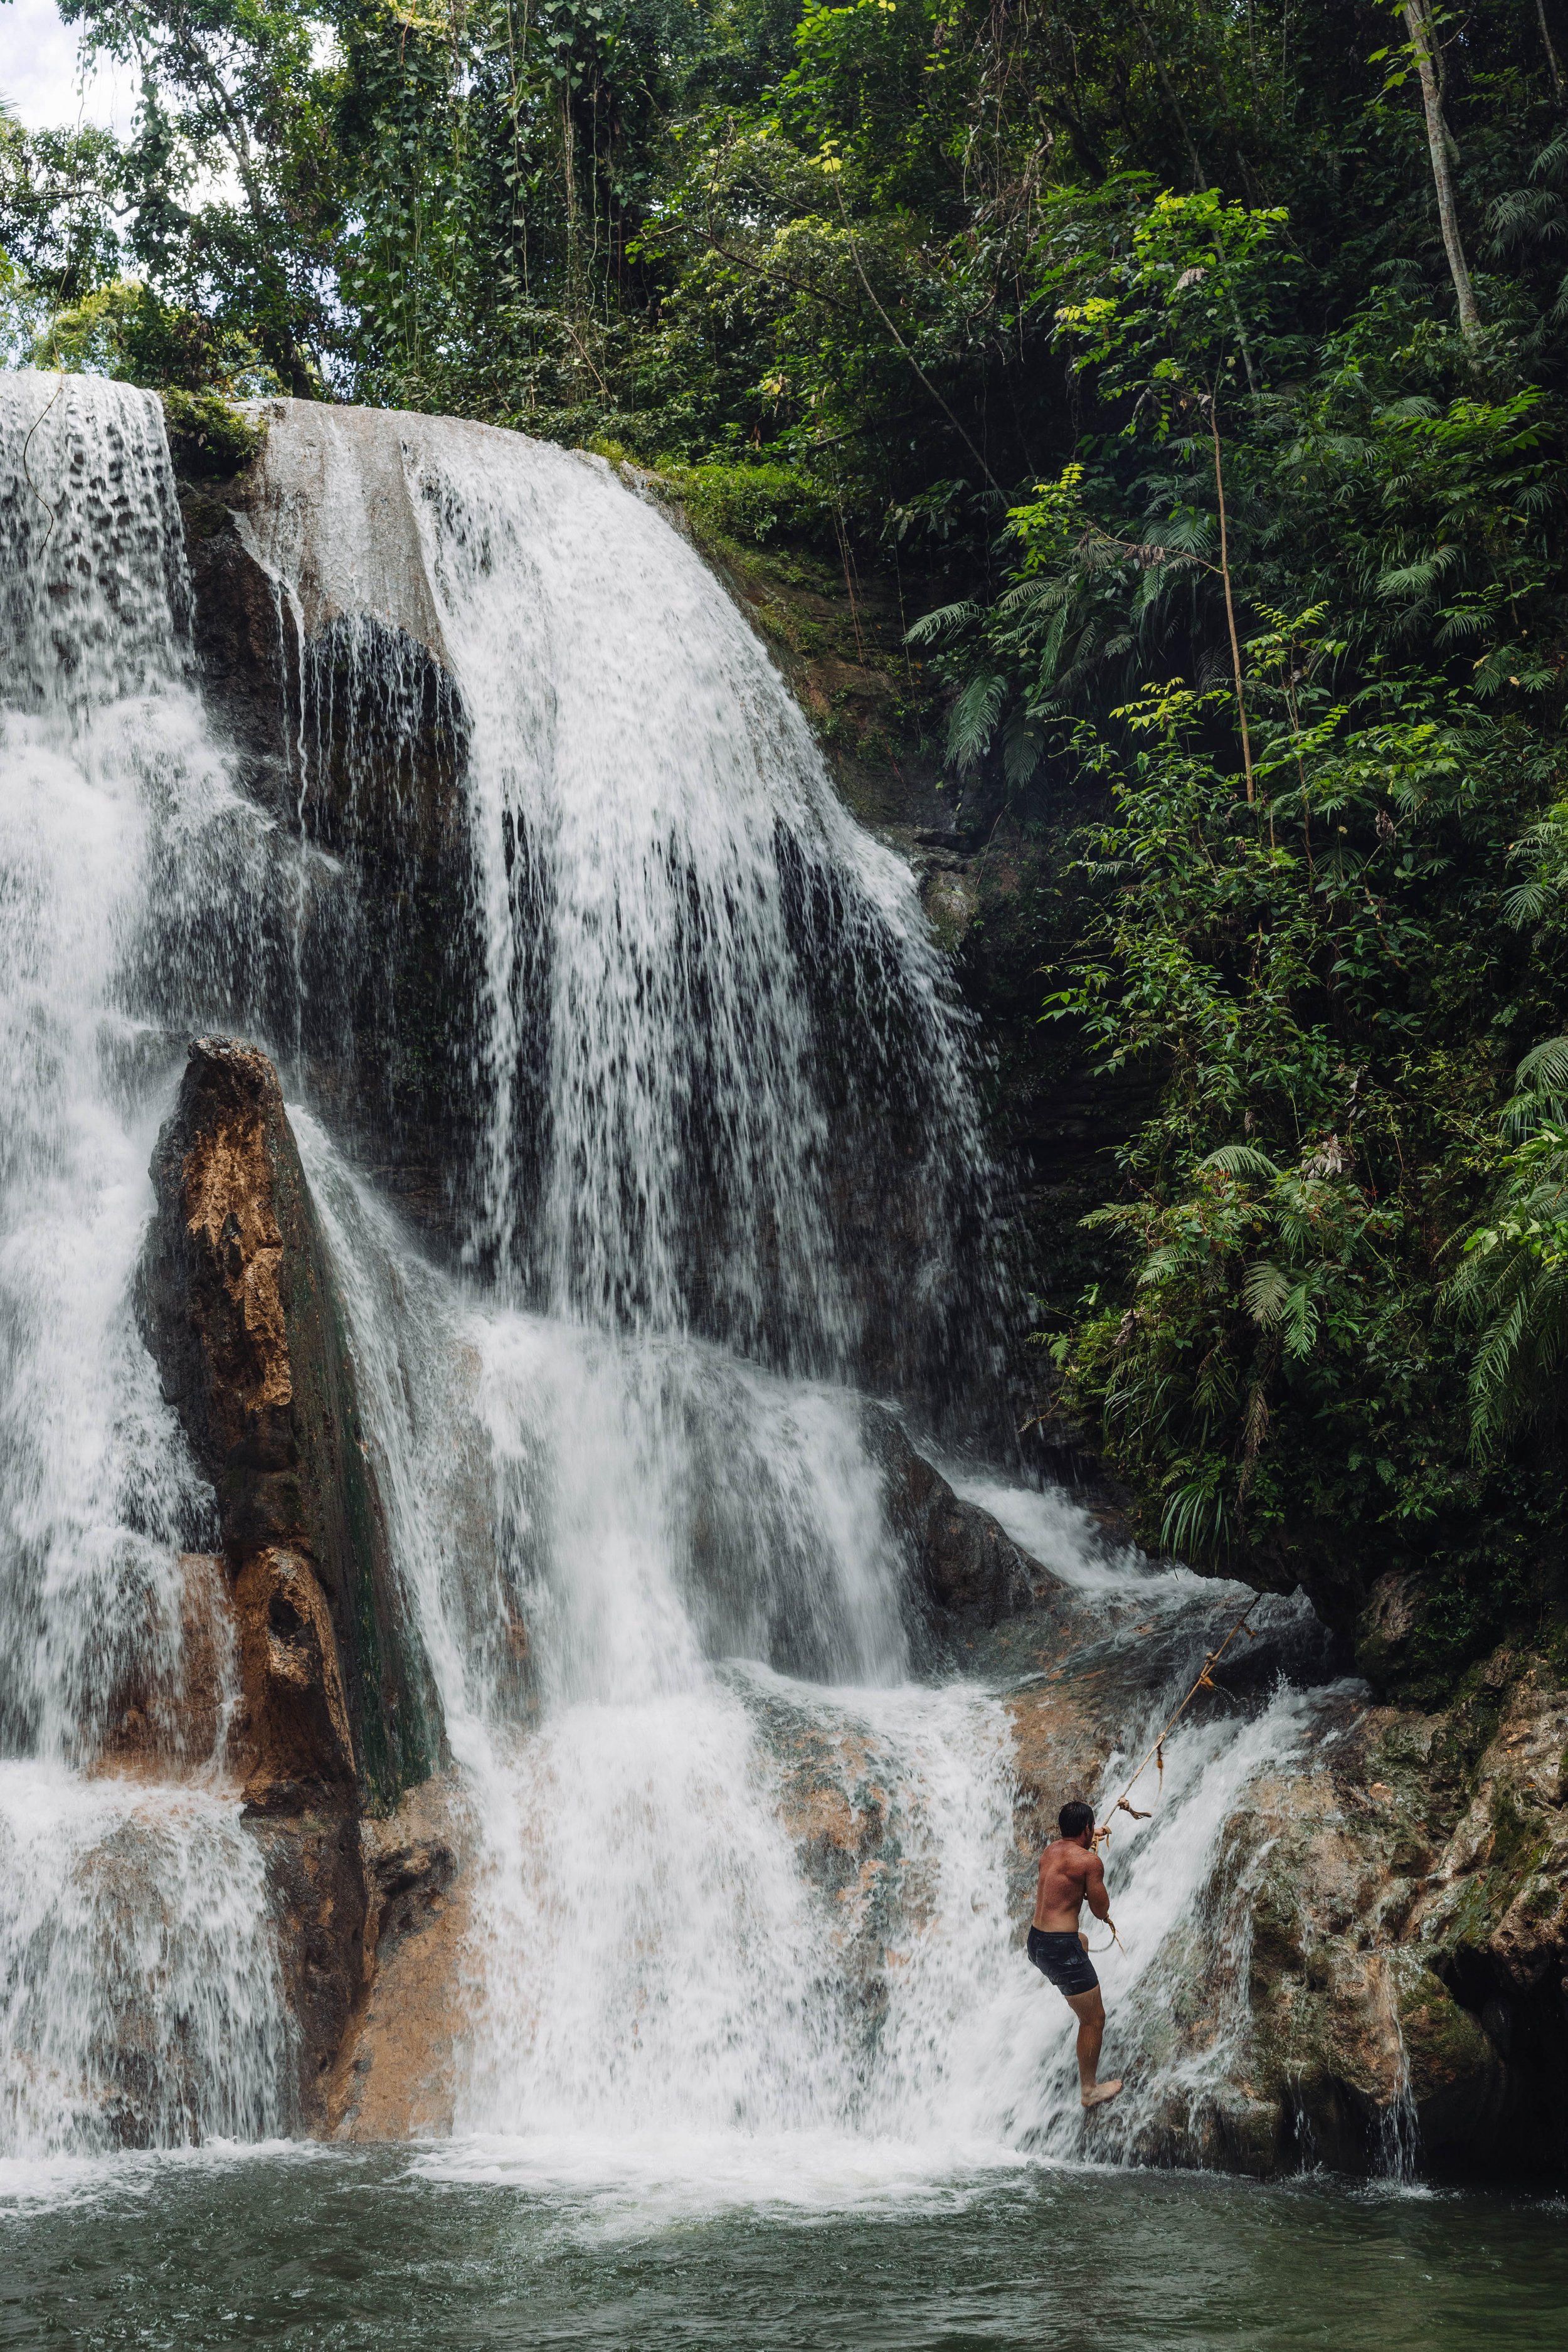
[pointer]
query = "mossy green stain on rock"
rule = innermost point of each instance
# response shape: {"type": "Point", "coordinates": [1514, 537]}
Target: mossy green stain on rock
{"type": "Point", "coordinates": [398, 1734]}
{"type": "Point", "coordinates": [1444, 2043]}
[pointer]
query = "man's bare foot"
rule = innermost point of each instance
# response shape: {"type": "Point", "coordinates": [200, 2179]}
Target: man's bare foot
{"type": "Point", "coordinates": [1099, 2096]}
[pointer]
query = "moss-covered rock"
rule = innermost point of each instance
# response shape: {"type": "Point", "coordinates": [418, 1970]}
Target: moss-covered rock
{"type": "Point", "coordinates": [208, 436]}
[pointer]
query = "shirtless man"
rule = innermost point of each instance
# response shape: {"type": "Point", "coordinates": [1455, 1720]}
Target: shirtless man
{"type": "Point", "coordinates": [1071, 1873]}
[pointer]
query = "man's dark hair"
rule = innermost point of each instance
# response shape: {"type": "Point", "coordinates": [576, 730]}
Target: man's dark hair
{"type": "Point", "coordinates": [1074, 1819]}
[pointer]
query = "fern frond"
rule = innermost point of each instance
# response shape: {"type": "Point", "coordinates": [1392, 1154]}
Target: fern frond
{"type": "Point", "coordinates": [1264, 1292]}
{"type": "Point", "coordinates": [1238, 1159]}
{"type": "Point", "coordinates": [971, 721]}
{"type": "Point", "coordinates": [943, 622]}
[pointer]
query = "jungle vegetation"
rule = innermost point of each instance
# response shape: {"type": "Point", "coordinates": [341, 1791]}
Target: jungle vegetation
{"type": "Point", "coordinates": [1200, 365]}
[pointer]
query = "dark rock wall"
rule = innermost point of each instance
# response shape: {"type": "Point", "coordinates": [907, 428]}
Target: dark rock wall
{"type": "Point", "coordinates": [352, 737]}
{"type": "Point", "coordinates": [965, 1574]}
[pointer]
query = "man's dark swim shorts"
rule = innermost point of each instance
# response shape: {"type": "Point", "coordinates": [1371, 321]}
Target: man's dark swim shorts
{"type": "Point", "coordinates": [1062, 1959]}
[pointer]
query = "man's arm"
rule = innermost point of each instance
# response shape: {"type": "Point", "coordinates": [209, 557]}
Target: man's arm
{"type": "Point", "coordinates": [1094, 1892]}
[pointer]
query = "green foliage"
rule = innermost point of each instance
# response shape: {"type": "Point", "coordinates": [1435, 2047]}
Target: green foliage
{"type": "Point", "coordinates": [1512, 1286]}
{"type": "Point", "coordinates": [1325, 982]}
{"type": "Point", "coordinates": [751, 503]}
{"type": "Point", "coordinates": [208, 435]}
{"type": "Point", "coordinates": [1170, 317]}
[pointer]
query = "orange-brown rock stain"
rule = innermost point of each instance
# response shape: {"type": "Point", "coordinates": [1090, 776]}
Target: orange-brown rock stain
{"type": "Point", "coordinates": [229, 1209]}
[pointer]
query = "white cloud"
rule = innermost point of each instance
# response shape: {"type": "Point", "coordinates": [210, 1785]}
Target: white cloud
{"type": "Point", "coordinates": [41, 77]}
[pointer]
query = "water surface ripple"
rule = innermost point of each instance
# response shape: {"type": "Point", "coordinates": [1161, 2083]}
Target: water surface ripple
{"type": "Point", "coordinates": [349, 2251]}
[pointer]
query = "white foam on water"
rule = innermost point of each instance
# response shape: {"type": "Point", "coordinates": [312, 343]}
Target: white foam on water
{"type": "Point", "coordinates": [29, 2185]}
{"type": "Point", "coordinates": [647, 2180]}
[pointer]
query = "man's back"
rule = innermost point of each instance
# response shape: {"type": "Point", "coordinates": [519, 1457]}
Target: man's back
{"type": "Point", "coordinates": [1066, 1869]}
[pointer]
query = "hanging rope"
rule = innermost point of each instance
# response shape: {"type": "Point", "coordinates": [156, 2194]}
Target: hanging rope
{"type": "Point", "coordinates": [1156, 1755]}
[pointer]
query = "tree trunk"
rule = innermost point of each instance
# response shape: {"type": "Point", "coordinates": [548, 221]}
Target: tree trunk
{"type": "Point", "coordinates": [1418, 22]}
{"type": "Point", "coordinates": [1230, 602]}
{"type": "Point", "coordinates": [1552, 66]}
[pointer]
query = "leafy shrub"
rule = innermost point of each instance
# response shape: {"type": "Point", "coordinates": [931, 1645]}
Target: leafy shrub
{"type": "Point", "coordinates": [208, 435]}
{"type": "Point", "coordinates": [750, 503]}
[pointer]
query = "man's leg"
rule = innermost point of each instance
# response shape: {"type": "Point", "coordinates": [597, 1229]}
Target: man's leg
{"type": "Point", "coordinates": [1090, 2010]}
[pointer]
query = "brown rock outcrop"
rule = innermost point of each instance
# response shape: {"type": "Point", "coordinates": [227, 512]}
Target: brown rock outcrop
{"type": "Point", "coordinates": [1381, 1948]}
{"type": "Point", "coordinates": [966, 1571]}
{"type": "Point", "coordinates": [298, 1623]}
{"type": "Point", "coordinates": [1376, 1969]}
{"type": "Point", "coordinates": [239, 1312]}
{"type": "Point", "coordinates": [395, 2078]}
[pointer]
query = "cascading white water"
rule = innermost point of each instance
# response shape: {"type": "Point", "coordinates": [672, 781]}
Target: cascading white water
{"type": "Point", "coordinates": [633, 1505]}
{"type": "Point", "coordinates": [137, 1992]}
{"type": "Point", "coordinates": [644, 799]}
{"type": "Point", "coordinates": [696, 1547]}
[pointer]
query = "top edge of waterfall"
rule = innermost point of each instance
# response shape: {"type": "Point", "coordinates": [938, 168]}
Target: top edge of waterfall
{"type": "Point", "coordinates": [332, 515]}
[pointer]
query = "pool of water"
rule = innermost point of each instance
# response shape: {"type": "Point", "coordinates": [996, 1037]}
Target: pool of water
{"type": "Point", "coordinates": [488, 2247]}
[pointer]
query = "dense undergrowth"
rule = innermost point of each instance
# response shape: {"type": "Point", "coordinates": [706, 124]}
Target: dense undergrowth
{"type": "Point", "coordinates": [1194, 373]}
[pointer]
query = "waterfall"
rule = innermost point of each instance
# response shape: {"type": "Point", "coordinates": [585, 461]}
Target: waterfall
{"type": "Point", "coordinates": [139, 1998]}
{"type": "Point", "coordinates": [742, 1886]}
{"type": "Point", "coordinates": [699, 977]}
{"type": "Point", "coordinates": [720, 1079]}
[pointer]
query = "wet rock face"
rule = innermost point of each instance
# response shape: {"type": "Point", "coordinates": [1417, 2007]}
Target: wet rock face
{"type": "Point", "coordinates": [239, 1312]}
{"type": "Point", "coordinates": [1403, 1903]}
{"type": "Point", "coordinates": [346, 726]}
{"type": "Point", "coordinates": [1375, 1973]}
{"type": "Point", "coordinates": [1370, 2033]}
{"type": "Point", "coordinates": [320, 1903]}
{"type": "Point", "coordinates": [297, 1618]}
{"type": "Point", "coordinates": [396, 2076]}
{"type": "Point", "coordinates": [163, 1722]}
{"type": "Point", "coordinates": [966, 1573]}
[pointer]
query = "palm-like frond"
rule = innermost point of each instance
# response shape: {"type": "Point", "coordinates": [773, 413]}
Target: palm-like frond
{"type": "Point", "coordinates": [1195, 1524]}
{"type": "Point", "coordinates": [945, 622]}
{"type": "Point", "coordinates": [1264, 1292]}
{"type": "Point", "coordinates": [1544, 1069]}
{"type": "Point", "coordinates": [1239, 1160]}
{"type": "Point", "coordinates": [971, 721]}
{"type": "Point", "coordinates": [1511, 1287]}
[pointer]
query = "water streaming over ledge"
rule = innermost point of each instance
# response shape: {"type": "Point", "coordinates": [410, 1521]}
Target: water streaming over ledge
{"type": "Point", "coordinates": [138, 1993]}
{"type": "Point", "coordinates": [634, 1510]}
